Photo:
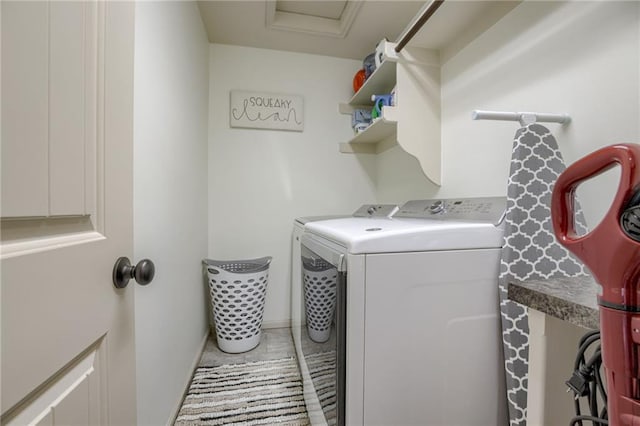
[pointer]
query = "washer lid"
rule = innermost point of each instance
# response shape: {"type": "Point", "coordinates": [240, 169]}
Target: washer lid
{"type": "Point", "coordinates": [377, 235]}
{"type": "Point", "coordinates": [365, 210]}
{"type": "Point", "coordinates": [306, 219]}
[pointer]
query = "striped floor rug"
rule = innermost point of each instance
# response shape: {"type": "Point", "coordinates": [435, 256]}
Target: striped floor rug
{"type": "Point", "coordinates": [255, 393]}
{"type": "Point", "coordinates": [322, 369]}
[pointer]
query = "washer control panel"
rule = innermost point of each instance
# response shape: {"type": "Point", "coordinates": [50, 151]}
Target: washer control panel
{"type": "Point", "coordinates": [486, 209]}
{"type": "Point", "coordinates": [376, 210]}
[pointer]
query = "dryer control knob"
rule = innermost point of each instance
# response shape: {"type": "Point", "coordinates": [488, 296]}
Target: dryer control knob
{"type": "Point", "coordinates": [436, 207]}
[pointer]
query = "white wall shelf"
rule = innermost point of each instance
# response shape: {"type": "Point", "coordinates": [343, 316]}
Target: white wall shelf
{"type": "Point", "coordinates": [381, 81]}
{"type": "Point", "coordinates": [415, 72]}
{"type": "Point", "coordinates": [376, 135]}
{"type": "Point", "coordinates": [376, 132]}
{"type": "Point", "coordinates": [413, 123]}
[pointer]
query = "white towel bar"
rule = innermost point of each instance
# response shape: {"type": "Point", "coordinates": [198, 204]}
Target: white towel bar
{"type": "Point", "coordinates": [523, 117]}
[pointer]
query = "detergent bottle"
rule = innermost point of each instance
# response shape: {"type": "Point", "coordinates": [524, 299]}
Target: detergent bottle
{"type": "Point", "coordinates": [379, 101]}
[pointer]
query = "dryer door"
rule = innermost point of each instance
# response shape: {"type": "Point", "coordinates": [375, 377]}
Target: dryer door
{"type": "Point", "coordinates": [324, 333]}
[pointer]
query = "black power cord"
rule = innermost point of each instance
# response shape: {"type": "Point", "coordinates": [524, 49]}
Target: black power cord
{"type": "Point", "coordinates": [586, 382]}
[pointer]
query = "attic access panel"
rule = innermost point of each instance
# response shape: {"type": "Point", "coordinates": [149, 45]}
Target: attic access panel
{"type": "Point", "coordinates": [330, 18]}
{"type": "Point", "coordinates": [331, 9]}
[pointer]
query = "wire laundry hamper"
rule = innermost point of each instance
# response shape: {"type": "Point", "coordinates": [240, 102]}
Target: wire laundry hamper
{"type": "Point", "coordinates": [238, 289]}
{"type": "Point", "coordinates": [320, 280]}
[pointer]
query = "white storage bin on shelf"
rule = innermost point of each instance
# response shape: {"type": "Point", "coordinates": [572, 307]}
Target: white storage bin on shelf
{"type": "Point", "coordinates": [238, 289]}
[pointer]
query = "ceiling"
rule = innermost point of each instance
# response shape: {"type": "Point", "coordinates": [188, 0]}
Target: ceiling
{"type": "Point", "coordinates": [342, 28]}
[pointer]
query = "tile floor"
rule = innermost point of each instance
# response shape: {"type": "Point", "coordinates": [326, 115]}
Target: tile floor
{"type": "Point", "coordinates": [275, 343]}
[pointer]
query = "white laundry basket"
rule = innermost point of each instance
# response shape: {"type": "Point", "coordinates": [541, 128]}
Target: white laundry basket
{"type": "Point", "coordinates": [320, 280]}
{"type": "Point", "coordinates": [238, 289]}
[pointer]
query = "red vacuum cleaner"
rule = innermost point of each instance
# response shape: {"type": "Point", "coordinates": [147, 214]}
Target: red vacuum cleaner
{"type": "Point", "coordinates": [612, 252]}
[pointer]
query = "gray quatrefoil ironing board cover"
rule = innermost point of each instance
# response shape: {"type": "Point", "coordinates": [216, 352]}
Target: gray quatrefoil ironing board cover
{"type": "Point", "coordinates": [530, 249]}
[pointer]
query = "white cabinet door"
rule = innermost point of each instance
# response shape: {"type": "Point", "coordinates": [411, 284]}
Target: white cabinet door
{"type": "Point", "coordinates": [67, 349]}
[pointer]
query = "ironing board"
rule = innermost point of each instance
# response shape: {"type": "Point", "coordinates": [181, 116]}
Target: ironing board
{"type": "Point", "coordinates": [530, 249]}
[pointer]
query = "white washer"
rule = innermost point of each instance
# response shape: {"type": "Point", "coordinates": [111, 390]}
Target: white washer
{"type": "Point", "coordinates": [417, 324]}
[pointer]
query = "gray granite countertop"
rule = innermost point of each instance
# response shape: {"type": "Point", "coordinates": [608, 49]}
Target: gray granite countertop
{"type": "Point", "coordinates": [570, 299]}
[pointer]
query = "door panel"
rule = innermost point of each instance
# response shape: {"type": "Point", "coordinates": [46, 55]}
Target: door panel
{"type": "Point", "coordinates": [64, 325]}
{"type": "Point", "coordinates": [68, 23]}
{"type": "Point", "coordinates": [24, 109]}
{"type": "Point", "coordinates": [71, 398]}
{"type": "Point", "coordinates": [49, 56]}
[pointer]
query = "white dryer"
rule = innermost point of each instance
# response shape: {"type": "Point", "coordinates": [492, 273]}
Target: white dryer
{"type": "Point", "coordinates": [415, 336]}
{"type": "Point", "coordinates": [298, 318]}
{"type": "Point", "coordinates": [364, 211]}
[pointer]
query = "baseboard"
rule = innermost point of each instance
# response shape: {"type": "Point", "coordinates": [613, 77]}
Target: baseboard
{"type": "Point", "coordinates": [277, 324]}
{"type": "Point", "coordinates": [194, 365]}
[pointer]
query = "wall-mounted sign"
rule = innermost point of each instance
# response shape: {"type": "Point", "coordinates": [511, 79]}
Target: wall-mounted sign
{"type": "Point", "coordinates": [258, 110]}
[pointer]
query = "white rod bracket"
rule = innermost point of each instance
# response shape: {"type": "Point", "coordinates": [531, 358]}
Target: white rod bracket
{"type": "Point", "coordinates": [524, 118]}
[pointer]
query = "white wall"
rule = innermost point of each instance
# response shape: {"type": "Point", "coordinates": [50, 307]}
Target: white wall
{"type": "Point", "coordinates": [580, 58]}
{"type": "Point", "coordinates": [260, 180]}
{"type": "Point", "coordinates": [170, 201]}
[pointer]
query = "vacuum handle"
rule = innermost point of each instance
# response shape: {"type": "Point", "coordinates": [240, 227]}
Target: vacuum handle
{"type": "Point", "coordinates": [627, 157]}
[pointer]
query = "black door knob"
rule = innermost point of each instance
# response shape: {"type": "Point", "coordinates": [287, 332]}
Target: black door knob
{"type": "Point", "coordinates": [143, 272]}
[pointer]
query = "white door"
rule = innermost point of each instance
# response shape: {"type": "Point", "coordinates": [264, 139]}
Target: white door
{"type": "Point", "coordinates": [67, 354]}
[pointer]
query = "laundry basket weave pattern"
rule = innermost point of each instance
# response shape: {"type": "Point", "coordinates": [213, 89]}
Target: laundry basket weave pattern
{"type": "Point", "coordinates": [319, 297]}
{"type": "Point", "coordinates": [238, 290]}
